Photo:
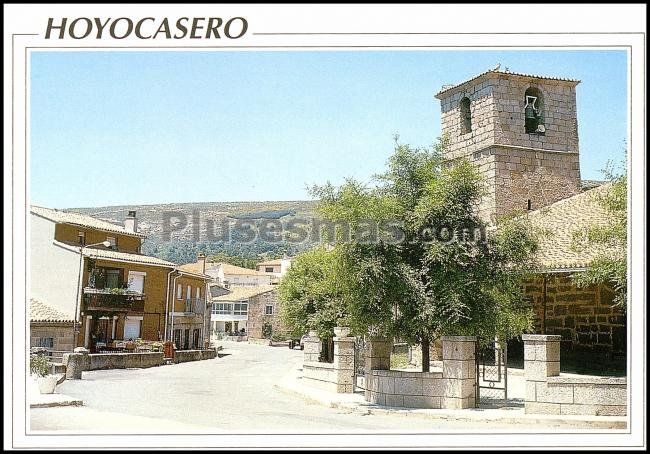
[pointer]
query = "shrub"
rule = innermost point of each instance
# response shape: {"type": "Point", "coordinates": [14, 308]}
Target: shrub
{"type": "Point", "coordinates": [39, 365]}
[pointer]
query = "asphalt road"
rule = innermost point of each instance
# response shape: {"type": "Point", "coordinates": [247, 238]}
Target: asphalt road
{"type": "Point", "coordinates": [234, 393]}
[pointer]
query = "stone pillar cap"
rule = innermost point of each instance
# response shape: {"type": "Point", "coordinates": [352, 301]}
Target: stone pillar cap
{"type": "Point", "coordinates": [459, 338]}
{"type": "Point", "coordinates": [541, 337]}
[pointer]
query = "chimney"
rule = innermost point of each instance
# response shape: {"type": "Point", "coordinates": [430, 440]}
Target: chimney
{"type": "Point", "coordinates": [131, 223]}
{"type": "Point", "coordinates": [201, 260]}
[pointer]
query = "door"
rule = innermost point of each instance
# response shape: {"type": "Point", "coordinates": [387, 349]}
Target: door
{"type": "Point", "coordinates": [131, 328]}
{"type": "Point", "coordinates": [186, 344]}
{"type": "Point", "coordinates": [195, 340]}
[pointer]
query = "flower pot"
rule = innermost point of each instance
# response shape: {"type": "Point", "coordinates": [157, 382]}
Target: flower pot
{"type": "Point", "coordinates": [47, 384]}
{"type": "Point", "coordinates": [341, 331]}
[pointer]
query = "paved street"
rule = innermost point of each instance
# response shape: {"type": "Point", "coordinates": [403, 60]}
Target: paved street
{"type": "Point", "coordinates": [228, 394]}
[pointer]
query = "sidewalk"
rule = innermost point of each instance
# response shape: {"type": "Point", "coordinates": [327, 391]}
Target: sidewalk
{"type": "Point", "coordinates": [292, 383]}
{"type": "Point", "coordinates": [37, 400]}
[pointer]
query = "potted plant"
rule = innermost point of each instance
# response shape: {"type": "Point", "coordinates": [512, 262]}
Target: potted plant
{"type": "Point", "coordinates": [40, 367]}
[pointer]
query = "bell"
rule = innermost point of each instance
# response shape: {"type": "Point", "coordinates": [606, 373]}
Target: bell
{"type": "Point", "coordinates": [530, 112]}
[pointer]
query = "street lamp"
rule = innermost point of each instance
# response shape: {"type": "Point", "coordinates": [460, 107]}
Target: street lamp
{"type": "Point", "coordinates": [77, 303]}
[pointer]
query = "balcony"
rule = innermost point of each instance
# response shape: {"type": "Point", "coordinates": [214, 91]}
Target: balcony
{"type": "Point", "coordinates": [194, 305]}
{"type": "Point", "coordinates": [113, 299]}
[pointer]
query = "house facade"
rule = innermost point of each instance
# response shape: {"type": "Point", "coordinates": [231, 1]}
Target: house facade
{"type": "Point", "coordinates": [227, 275]}
{"type": "Point", "coordinates": [276, 268]}
{"type": "Point", "coordinates": [255, 310]}
{"type": "Point", "coordinates": [94, 270]}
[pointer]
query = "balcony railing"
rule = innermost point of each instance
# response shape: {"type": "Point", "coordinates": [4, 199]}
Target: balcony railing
{"type": "Point", "coordinates": [195, 305]}
{"type": "Point", "coordinates": [113, 299]}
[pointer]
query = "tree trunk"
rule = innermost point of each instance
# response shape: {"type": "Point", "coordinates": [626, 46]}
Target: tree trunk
{"type": "Point", "coordinates": [425, 355]}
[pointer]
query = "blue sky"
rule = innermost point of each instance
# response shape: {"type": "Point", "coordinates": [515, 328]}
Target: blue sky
{"type": "Point", "coordinates": [119, 128]}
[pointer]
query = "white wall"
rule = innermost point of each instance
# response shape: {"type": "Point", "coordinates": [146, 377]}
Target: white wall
{"type": "Point", "coordinates": [54, 271]}
{"type": "Point", "coordinates": [244, 280]}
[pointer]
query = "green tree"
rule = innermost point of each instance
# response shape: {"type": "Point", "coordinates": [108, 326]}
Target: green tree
{"type": "Point", "coordinates": [426, 266]}
{"type": "Point", "coordinates": [310, 296]}
{"type": "Point", "coordinates": [609, 240]}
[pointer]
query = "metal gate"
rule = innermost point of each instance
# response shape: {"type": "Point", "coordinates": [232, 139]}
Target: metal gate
{"type": "Point", "coordinates": [491, 371]}
{"type": "Point", "coordinates": [359, 363]}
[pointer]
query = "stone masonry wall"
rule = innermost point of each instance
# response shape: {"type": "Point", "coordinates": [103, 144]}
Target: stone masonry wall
{"type": "Point", "coordinates": [455, 387]}
{"type": "Point", "coordinates": [585, 318]}
{"type": "Point", "coordinates": [257, 314]}
{"type": "Point", "coordinates": [549, 393]}
{"type": "Point", "coordinates": [517, 166]}
{"type": "Point", "coordinates": [498, 117]}
{"type": "Point", "coordinates": [61, 333]}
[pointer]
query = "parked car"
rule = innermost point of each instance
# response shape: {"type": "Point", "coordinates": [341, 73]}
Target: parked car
{"type": "Point", "coordinates": [293, 343]}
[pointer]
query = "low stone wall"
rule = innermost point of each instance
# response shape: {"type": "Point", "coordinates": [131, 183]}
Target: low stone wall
{"type": "Point", "coordinates": [454, 387]}
{"type": "Point", "coordinates": [183, 356]}
{"type": "Point", "coordinates": [337, 376]}
{"type": "Point", "coordinates": [210, 353]}
{"type": "Point", "coordinates": [320, 375]}
{"type": "Point", "coordinates": [124, 360]}
{"type": "Point", "coordinates": [549, 393]}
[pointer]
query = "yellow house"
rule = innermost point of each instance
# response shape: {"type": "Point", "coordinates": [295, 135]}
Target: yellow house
{"type": "Point", "coordinates": [94, 271]}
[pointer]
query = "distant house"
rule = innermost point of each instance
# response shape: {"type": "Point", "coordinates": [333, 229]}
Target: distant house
{"type": "Point", "coordinates": [228, 275]}
{"type": "Point", "coordinates": [247, 308]}
{"type": "Point", "coordinates": [276, 268]}
{"type": "Point", "coordinates": [49, 327]}
{"type": "Point", "coordinates": [93, 271]}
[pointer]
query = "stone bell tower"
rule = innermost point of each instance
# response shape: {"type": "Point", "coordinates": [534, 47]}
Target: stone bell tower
{"type": "Point", "coordinates": [521, 131]}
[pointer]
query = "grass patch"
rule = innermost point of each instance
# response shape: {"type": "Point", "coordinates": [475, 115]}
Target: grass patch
{"type": "Point", "coordinates": [399, 360]}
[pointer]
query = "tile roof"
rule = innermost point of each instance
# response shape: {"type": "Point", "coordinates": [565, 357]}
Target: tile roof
{"type": "Point", "coordinates": [510, 73]}
{"type": "Point", "coordinates": [244, 293]}
{"type": "Point", "coordinates": [41, 312]}
{"type": "Point", "coordinates": [192, 267]}
{"type": "Point", "coordinates": [119, 256]}
{"type": "Point", "coordinates": [68, 217]}
{"type": "Point", "coordinates": [271, 262]}
{"type": "Point", "coordinates": [560, 220]}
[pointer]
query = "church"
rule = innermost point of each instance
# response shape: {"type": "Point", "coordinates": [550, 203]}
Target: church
{"type": "Point", "coordinates": [521, 131]}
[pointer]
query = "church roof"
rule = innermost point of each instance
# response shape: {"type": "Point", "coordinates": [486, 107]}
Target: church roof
{"type": "Point", "coordinates": [447, 89]}
{"type": "Point", "coordinates": [559, 223]}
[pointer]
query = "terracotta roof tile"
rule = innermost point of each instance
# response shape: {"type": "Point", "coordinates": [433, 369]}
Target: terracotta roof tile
{"type": "Point", "coordinates": [68, 217]}
{"type": "Point", "coordinates": [41, 312]}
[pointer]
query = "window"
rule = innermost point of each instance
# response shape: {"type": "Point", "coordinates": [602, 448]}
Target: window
{"type": "Point", "coordinates": [46, 342]}
{"type": "Point", "coordinates": [221, 308]}
{"type": "Point", "coordinates": [465, 115]}
{"type": "Point", "coordinates": [269, 309]}
{"type": "Point", "coordinates": [179, 292]}
{"type": "Point", "coordinates": [82, 238]}
{"type": "Point", "coordinates": [534, 111]}
{"type": "Point", "coordinates": [113, 242]}
{"type": "Point", "coordinates": [113, 278]}
{"type": "Point", "coordinates": [136, 281]}
{"type": "Point", "coordinates": [198, 293]}
{"type": "Point", "coordinates": [240, 309]}
{"type": "Point", "coordinates": [268, 269]}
